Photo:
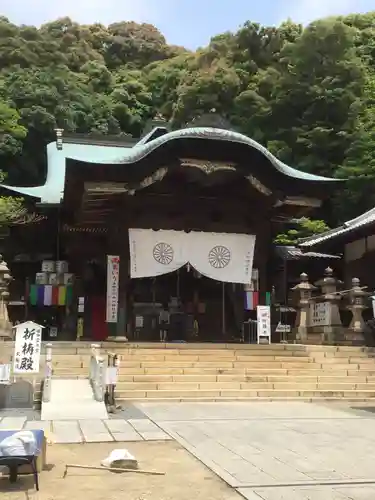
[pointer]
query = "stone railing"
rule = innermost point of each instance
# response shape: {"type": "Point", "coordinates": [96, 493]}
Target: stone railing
{"type": "Point", "coordinates": [97, 373]}
{"type": "Point", "coordinates": [318, 318]}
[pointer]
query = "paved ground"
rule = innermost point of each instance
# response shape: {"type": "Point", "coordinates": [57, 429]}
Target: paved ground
{"type": "Point", "coordinates": [274, 451]}
{"type": "Point", "coordinates": [129, 424]}
{"type": "Point", "coordinates": [265, 451]}
{"type": "Point", "coordinates": [126, 412]}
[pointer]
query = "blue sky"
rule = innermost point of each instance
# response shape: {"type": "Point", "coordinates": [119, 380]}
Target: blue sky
{"type": "Point", "coordinates": [190, 23]}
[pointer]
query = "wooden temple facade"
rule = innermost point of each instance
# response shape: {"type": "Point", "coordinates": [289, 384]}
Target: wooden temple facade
{"type": "Point", "coordinates": [207, 179]}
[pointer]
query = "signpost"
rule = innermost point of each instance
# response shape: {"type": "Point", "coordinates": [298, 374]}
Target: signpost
{"type": "Point", "coordinates": [264, 324]}
{"type": "Point", "coordinates": [27, 347]}
{"type": "Point", "coordinates": [283, 328]}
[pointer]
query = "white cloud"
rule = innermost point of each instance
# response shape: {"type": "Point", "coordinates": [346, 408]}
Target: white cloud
{"type": "Point", "coordinates": [37, 12]}
{"type": "Point", "coordinates": [305, 11]}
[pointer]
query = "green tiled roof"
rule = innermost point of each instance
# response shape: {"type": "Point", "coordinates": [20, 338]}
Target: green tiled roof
{"type": "Point", "coordinates": [53, 189]}
{"type": "Point", "coordinates": [141, 150]}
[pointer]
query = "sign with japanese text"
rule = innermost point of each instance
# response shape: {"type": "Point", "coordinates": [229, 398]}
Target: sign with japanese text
{"type": "Point", "coordinates": [320, 313]}
{"type": "Point", "coordinates": [113, 277]}
{"type": "Point", "coordinates": [264, 324]}
{"type": "Point", "coordinates": [27, 347]}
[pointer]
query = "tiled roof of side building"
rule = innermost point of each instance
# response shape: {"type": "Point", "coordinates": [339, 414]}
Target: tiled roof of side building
{"type": "Point", "coordinates": [360, 221]}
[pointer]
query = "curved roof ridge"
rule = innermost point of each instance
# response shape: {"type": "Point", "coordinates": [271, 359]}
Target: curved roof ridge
{"type": "Point", "coordinates": [141, 150]}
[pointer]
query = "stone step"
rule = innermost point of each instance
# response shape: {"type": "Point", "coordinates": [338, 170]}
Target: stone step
{"type": "Point", "coordinates": [182, 359]}
{"type": "Point", "coordinates": [241, 394]}
{"type": "Point", "coordinates": [340, 360]}
{"type": "Point", "coordinates": [200, 378]}
{"type": "Point", "coordinates": [260, 372]}
{"type": "Point", "coordinates": [226, 399]}
{"type": "Point", "coordinates": [220, 385]}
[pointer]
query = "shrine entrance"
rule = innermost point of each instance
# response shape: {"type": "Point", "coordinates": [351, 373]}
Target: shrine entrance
{"type": "Point", "coordinates": [201, 309]}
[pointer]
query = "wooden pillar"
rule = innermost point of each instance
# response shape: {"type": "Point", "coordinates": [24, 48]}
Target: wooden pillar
{"type": "Point", "coordinates": [263, 246]}
{"type": "Point", "coordinates": [118, 244]}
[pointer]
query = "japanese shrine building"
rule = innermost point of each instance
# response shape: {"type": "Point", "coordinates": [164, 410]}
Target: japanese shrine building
{"type": "Point", "coordinates": [355, 240]}
{"type": "Point", "coordinates": [187, 216]}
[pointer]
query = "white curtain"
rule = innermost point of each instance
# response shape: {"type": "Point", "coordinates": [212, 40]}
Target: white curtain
{"type": "Point", "coordinates": [153, 253]}
{"type": "Point", "coordinates": [220, 256]}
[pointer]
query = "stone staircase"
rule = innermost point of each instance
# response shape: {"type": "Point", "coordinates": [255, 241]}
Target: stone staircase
{"type": "Point", "coordinates": [209, 372]}
{"type": "Point", "coordinates": [219, 372]}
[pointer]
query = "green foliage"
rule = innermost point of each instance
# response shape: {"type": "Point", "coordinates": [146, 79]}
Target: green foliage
{"type": "Point", "coordinates": [11, 132]}
{"type": "Point", "coordinates": [11, 209]}
{"type": "Point", "coordinates": [304, 228]}
{"type": "Point", "coordinates": [308, 94]}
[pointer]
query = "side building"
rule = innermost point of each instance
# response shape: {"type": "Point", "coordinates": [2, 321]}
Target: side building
{"type": "Point", "coordinates": [355, 241]}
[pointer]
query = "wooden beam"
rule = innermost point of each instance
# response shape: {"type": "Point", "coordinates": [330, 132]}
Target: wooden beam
{"type": "Point", "coordinates": [299, 201]}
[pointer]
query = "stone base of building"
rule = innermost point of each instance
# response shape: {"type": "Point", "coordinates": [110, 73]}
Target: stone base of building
{"type": "Point", "coordinates": [331, 336]}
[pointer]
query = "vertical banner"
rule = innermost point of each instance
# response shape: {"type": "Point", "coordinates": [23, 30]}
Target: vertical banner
{"type": "Point", "coordinates": [264, 324]}
{"type": "Point", "coordinates": [113, 277]}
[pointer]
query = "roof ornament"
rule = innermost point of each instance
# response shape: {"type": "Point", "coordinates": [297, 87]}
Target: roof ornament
{"type": "Point", "coordinates": [59, 138]}
{"type": "Point", "coordinates": [211, 119]}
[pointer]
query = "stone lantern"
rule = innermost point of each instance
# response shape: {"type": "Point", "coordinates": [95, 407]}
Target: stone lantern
{"type": "Point", "coordinates": [5, 279]}
{"type": "Point", "coordinates": [304, 292]}
{"type": "Point", "coordinates": [357, 304]}
{"type": "Point", "coordinates": [330, 298]}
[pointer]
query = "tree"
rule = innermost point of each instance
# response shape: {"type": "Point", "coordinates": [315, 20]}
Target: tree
{"type": "Point", "coordinates": [11, 135]}
{"type": "Point", "coordinates": [314, 95]}
{"type": "Point", "coordinates": [11, 132]}
{"type": "Point", "coordinates": [359, 164]}
{"type": "Point", "coordinates": [306, 93]}
{"type": "Point", "coordinates": [303, 228]}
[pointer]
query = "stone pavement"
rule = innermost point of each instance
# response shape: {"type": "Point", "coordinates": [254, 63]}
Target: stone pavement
{"type": "Point", "coordinates": [274, 451]}
{"type": "Point", "coordinates": [129, 424]}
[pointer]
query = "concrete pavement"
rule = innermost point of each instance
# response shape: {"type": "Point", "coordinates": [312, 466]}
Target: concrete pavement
{"type": "Point", "coordinates": [90, 431]}
{"type": "Point", "coordinates": [274, 451]}
{"type": "Point", "coordinates": [266, 451]}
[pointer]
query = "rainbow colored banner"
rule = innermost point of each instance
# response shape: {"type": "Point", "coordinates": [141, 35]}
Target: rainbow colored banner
{"type": "Point", "coordinates": [49, 295]}
{"type": "Point", "coordinates": [252, 300]}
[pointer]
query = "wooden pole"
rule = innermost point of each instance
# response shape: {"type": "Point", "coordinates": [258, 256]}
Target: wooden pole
{"type": "Point", "coordinates": [341, 292]}
{"type": "Point", "coordinates": [111, 469]}
{"type": "Point", "coordinates": [223, 308]}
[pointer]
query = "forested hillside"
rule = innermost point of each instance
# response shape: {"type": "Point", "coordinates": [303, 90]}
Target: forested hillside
{"type": "Point", "coordinates": [306, 94]}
